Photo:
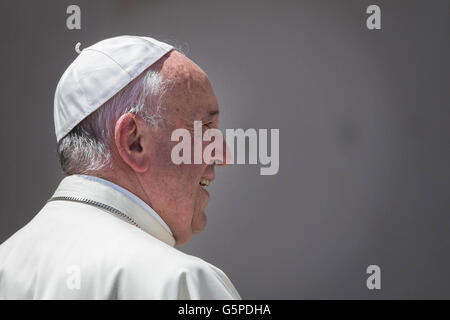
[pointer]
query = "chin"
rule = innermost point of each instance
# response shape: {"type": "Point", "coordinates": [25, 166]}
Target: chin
{"type": "Point", "coordinates": [200, 222]}
{"type": "Point", "coordinates": [197, 226]}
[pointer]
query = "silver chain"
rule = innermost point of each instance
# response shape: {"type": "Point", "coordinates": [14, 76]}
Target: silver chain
{"type": "Point", "coordinates": [96, 204]}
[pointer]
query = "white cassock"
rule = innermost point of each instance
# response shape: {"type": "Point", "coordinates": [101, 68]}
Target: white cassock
{"type": "Point", "coordinates": [95, 240]}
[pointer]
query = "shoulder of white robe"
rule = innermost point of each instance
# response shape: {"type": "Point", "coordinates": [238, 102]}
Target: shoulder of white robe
{"type": "Point", "coordinates": [201, 280]}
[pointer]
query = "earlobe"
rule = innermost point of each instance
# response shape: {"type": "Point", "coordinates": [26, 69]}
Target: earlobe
{"type": "Point", "coordinates": [128, 141]}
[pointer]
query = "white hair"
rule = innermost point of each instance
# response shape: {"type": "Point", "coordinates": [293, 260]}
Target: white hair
{"type": "Point", "coordinates": [88, 147]}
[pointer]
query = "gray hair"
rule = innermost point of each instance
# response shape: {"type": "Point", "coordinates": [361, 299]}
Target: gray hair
{"type": "Point", "coordinates": [88, 147]}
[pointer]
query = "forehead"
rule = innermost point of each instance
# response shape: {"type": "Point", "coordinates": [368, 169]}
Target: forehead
{"type": "Point", "coordinates": [190, 94]}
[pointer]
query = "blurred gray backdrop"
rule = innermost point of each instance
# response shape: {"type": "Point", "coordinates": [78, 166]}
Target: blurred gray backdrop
{"type": "Point", "coordinates": [364, 134]}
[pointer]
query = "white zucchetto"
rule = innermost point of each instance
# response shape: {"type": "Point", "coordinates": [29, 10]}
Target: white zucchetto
{"type": "Point", "coordinates": [98, 73]}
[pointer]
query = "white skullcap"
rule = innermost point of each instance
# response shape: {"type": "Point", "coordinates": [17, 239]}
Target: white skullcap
{"type": "Point", "coordinates": [98, 73]}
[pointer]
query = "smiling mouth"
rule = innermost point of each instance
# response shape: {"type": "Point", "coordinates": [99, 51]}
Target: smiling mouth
{"type": "Point", "coordinates": [205, 182]}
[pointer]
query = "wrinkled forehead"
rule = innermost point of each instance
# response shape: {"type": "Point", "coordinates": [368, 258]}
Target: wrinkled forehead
{"type": "Point", "coordinates": [189, 94]}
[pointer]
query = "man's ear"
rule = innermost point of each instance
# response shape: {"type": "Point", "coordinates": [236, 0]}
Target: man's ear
{"type": "Point", "coordinates": [128, 137]}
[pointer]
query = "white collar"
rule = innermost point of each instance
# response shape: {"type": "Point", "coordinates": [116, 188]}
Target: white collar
{"type": "Point", "coordinates": [130, 195]}
{"type": "Point", "coordinates": [110, 194]}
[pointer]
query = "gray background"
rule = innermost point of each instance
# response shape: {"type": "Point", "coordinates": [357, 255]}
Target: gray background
{"type": "Point", "coordinates": [364, 134]}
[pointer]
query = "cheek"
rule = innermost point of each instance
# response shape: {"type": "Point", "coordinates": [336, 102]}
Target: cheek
{"type": "Point", "coordinates": [180, 182]}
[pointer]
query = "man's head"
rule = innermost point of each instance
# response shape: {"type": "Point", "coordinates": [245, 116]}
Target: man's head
{"type": "Point", "coordinates": [128, 141]}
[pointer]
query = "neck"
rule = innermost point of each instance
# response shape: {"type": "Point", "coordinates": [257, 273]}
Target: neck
{"type": "Point", "coordinates": [127, 179]}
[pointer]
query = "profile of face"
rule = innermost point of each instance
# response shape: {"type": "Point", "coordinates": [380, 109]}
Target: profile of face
{"type": "Point", "coordinates": [175, 191]}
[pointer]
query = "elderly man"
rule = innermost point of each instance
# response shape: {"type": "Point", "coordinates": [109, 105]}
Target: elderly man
{"type": "Point", "coordinates": [109, 229]}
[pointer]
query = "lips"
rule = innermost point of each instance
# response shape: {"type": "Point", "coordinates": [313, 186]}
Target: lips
{"type": "Point", "coordinates": [205, 182]}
